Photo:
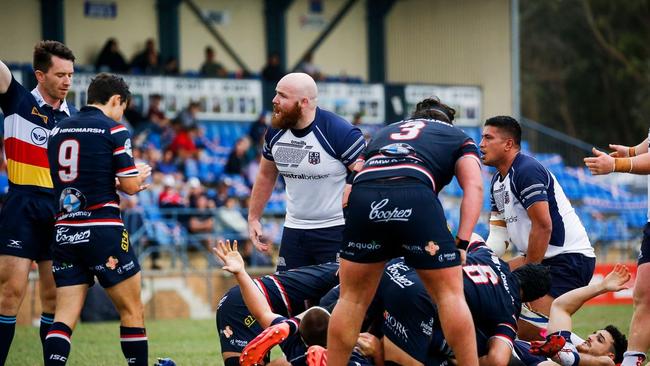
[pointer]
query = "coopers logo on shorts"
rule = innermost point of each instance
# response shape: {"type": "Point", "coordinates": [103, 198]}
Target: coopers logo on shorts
{"type": "Point", "coordinates": [398, 328]}
{"type": "Point", "coordinates": [364, 246]}
{"type": "Point", "coordinates": [396, 214]}
{"type": "Point", "coordinates": [63, 238]}
{"type": "Point", "coordinates": [396, 274]}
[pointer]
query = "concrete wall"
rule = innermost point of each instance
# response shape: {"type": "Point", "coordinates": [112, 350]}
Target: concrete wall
{"type": "Point", "coordinates": [20, 27]}
{"type": "Point", "coordinates": [453, 42]}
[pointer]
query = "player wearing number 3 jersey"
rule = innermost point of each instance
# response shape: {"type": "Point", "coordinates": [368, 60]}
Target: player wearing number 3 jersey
{"type": "Point", "coordinates": [86, 154]}
{"type": "Point", "coordinates": [394, 211]}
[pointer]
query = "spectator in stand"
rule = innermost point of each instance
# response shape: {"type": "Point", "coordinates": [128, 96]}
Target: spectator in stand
{"type": "Point", "coordinates": [356, 119]}
{"type": "Point", "coordinates": [170, 197]}
{"type": "Point", "coordinates": [210, 67]}
{"type": "Point", "coordinates": [194, 191]}
{"type": "Point", "coordinates": [308, 67]}
{"type": "Point", "coordinates": [183, 143]}
{"type": "Point", "coordinates": [201, 220]}
{"type": "Point", "coordinates": [168, 164]}
{"type": "Point", "coordinates": [258, 129]}
{"type": "Point", "coordinates": [155, 114]}
{"type": "Point", "coordinates": [171, 67]}
{"type": "Point", "coordinates": [146, 62]}
{"type": "Point", "coordinates": [238, 157]}
{"type": "Point", "coordinates": [135, 118]}
{"type": "Point", "coordinates": [272, 71]}
{"type": "Point", "coordinates": [188, 116]}
{"type": "Point", "coordinates": [110, 58]}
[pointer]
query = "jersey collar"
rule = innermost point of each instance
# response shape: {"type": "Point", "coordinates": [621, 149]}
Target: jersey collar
{"type": "Point", "coordinates": [41, 102]}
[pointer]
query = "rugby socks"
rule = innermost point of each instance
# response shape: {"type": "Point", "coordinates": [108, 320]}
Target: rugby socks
{"type": "Point", "coordinates": [7, 329]}
{"type": "Point", "coordinates": [47, 320]}
{"type": "Point", "coordinates": [57, 344]}
{"type": "Point", "coordinates": [633, 358]}
{"type": "Point", "coordinates": [134, 345]}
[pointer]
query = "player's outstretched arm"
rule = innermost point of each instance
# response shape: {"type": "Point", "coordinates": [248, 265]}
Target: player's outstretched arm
{"type": "Point", "coordinates": [602, 163]}
{"type": "Point", "coordinates": [133, 185]}
{"type": "Point", "coordinates": [468, 172]}
{"type": "Point", "coordinates": [260, 195]}
{"type": "Point", "coordinates": [622, 151]}
{"type": "Point", "coordinates": [5, 78]}
{"type": "Point", "coordinates": [253, 298]}
{"type": "Point", "coordinates": [566, 305]}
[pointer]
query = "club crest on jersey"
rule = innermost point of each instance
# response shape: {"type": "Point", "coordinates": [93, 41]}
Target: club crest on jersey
{"type": "Point", "coordinates": [314, 157]}
{"type": "Point", "coordinates": [39, 136]}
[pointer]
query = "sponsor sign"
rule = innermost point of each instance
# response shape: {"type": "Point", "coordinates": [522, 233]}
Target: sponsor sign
{"type": "Point", "coordinates": [466, 100]}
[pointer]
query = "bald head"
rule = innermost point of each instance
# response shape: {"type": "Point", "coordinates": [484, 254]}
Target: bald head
{"type": "Point", "coordinates": [300, 85]}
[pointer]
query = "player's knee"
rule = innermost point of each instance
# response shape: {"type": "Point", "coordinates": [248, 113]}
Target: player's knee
{"type": "Point", "coordinates": [11, 298]}
{"type": "Point", "coordinates": [132, 314]}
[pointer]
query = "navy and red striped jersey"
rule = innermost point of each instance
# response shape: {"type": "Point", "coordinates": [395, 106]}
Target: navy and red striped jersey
{"type": "Point", "coordinates": [86, 152]}
{"type": "Point", "coordinates": [289, 293]}
{"type": "Point", "coordinates": [424, 149]}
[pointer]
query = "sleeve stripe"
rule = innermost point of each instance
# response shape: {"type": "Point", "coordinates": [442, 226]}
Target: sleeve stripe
{"type": "Point", "coordinates": [504, 339]}
{"type": "Point", "coordinates": [119, 150]}
{"type": "Point", "coordinates": [118, 129]}
{"type": "Point", "coordinates": [358, 151]}
{"type": "Point", "coordinates": [523, 191]}
{"type": "Point", "coordinates": [533, 194]}
{"type": "Point", "coordinates": [127, 171]}
{"type": "Point", "coordinates": [360, 140]}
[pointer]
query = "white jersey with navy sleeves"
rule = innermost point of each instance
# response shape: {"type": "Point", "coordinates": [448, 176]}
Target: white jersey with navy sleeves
{"type": "Point", "coordinates": [526, 183]}
{"type": "Point", "coordinates": [313, 162]}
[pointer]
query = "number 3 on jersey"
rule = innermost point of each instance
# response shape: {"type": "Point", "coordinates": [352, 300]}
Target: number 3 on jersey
{"type": "Point", "coordinates": [408, 130]}
{"type": "Point", "coordinates": [68, 160]}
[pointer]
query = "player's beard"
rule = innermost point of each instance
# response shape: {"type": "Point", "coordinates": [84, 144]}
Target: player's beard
{"type": "Point", "coordinates": [284, 119]}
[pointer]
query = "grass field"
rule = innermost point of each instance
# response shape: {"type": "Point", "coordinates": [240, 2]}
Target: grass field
{"type": "Point", "coordinates": [195, 342]}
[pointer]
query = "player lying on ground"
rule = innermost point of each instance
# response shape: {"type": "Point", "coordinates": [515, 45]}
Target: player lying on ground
{"type": "Point", "coordinates": [411, 326]}
{"type": "Point", "coordinates": [603, 347]}
{"type": "Point", "coordinates": [288, 293]}
{"type": "Point", "coordinates": [296, 333]}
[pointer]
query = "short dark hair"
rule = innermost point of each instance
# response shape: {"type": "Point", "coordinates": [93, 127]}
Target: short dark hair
{"type": "Point", "coordinates": [313, 327]}
{"type": "Point", "coordinates": [43, 52]}
{"type": "Point", "coordinates": [433, 108]}
{"type": "Point", "coordinates": [507, 124]}
{"type": "Point", "coordinates": [620, 343]}
{"type": "Point", "coordinates": [534, 281]}
{"type": "Point", "coordinates": [104, 86]}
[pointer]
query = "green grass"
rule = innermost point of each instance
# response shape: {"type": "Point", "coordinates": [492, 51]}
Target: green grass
{"type": "Point", "coordinates": [195, 342]}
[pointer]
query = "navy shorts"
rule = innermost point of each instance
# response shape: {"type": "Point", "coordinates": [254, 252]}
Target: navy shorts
{"type": "Point", "coordinates": [569, 271]}
{"type": "Point", "coordinates": [644, 255]}
{"type": "Point", "coordinates": [81, 253]}
{"type": "Point", "coordinates": [389, 219]}
{"type": "Point", "coordinates": [235, 324]}
{"type": "Point", "coordinates": [307, 247]}
{"type": "Point", "coordinates": [26, 225]}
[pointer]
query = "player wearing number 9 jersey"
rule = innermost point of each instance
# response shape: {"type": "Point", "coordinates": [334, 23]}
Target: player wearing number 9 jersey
{"type": "Point", "coordinates": [393, 210]}
{"type": "Point", "coordinates": [86, 153]}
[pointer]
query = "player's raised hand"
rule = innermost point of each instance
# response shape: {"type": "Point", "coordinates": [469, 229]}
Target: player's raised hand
{"type": "Point", "coordinates": [617, 278]}
{"type": "Point", "coordinates": [600, 163]}
{"type": "Point", "coordinates": [232, 260]}
{"type": "Point", "coordinates": [620, 151]}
